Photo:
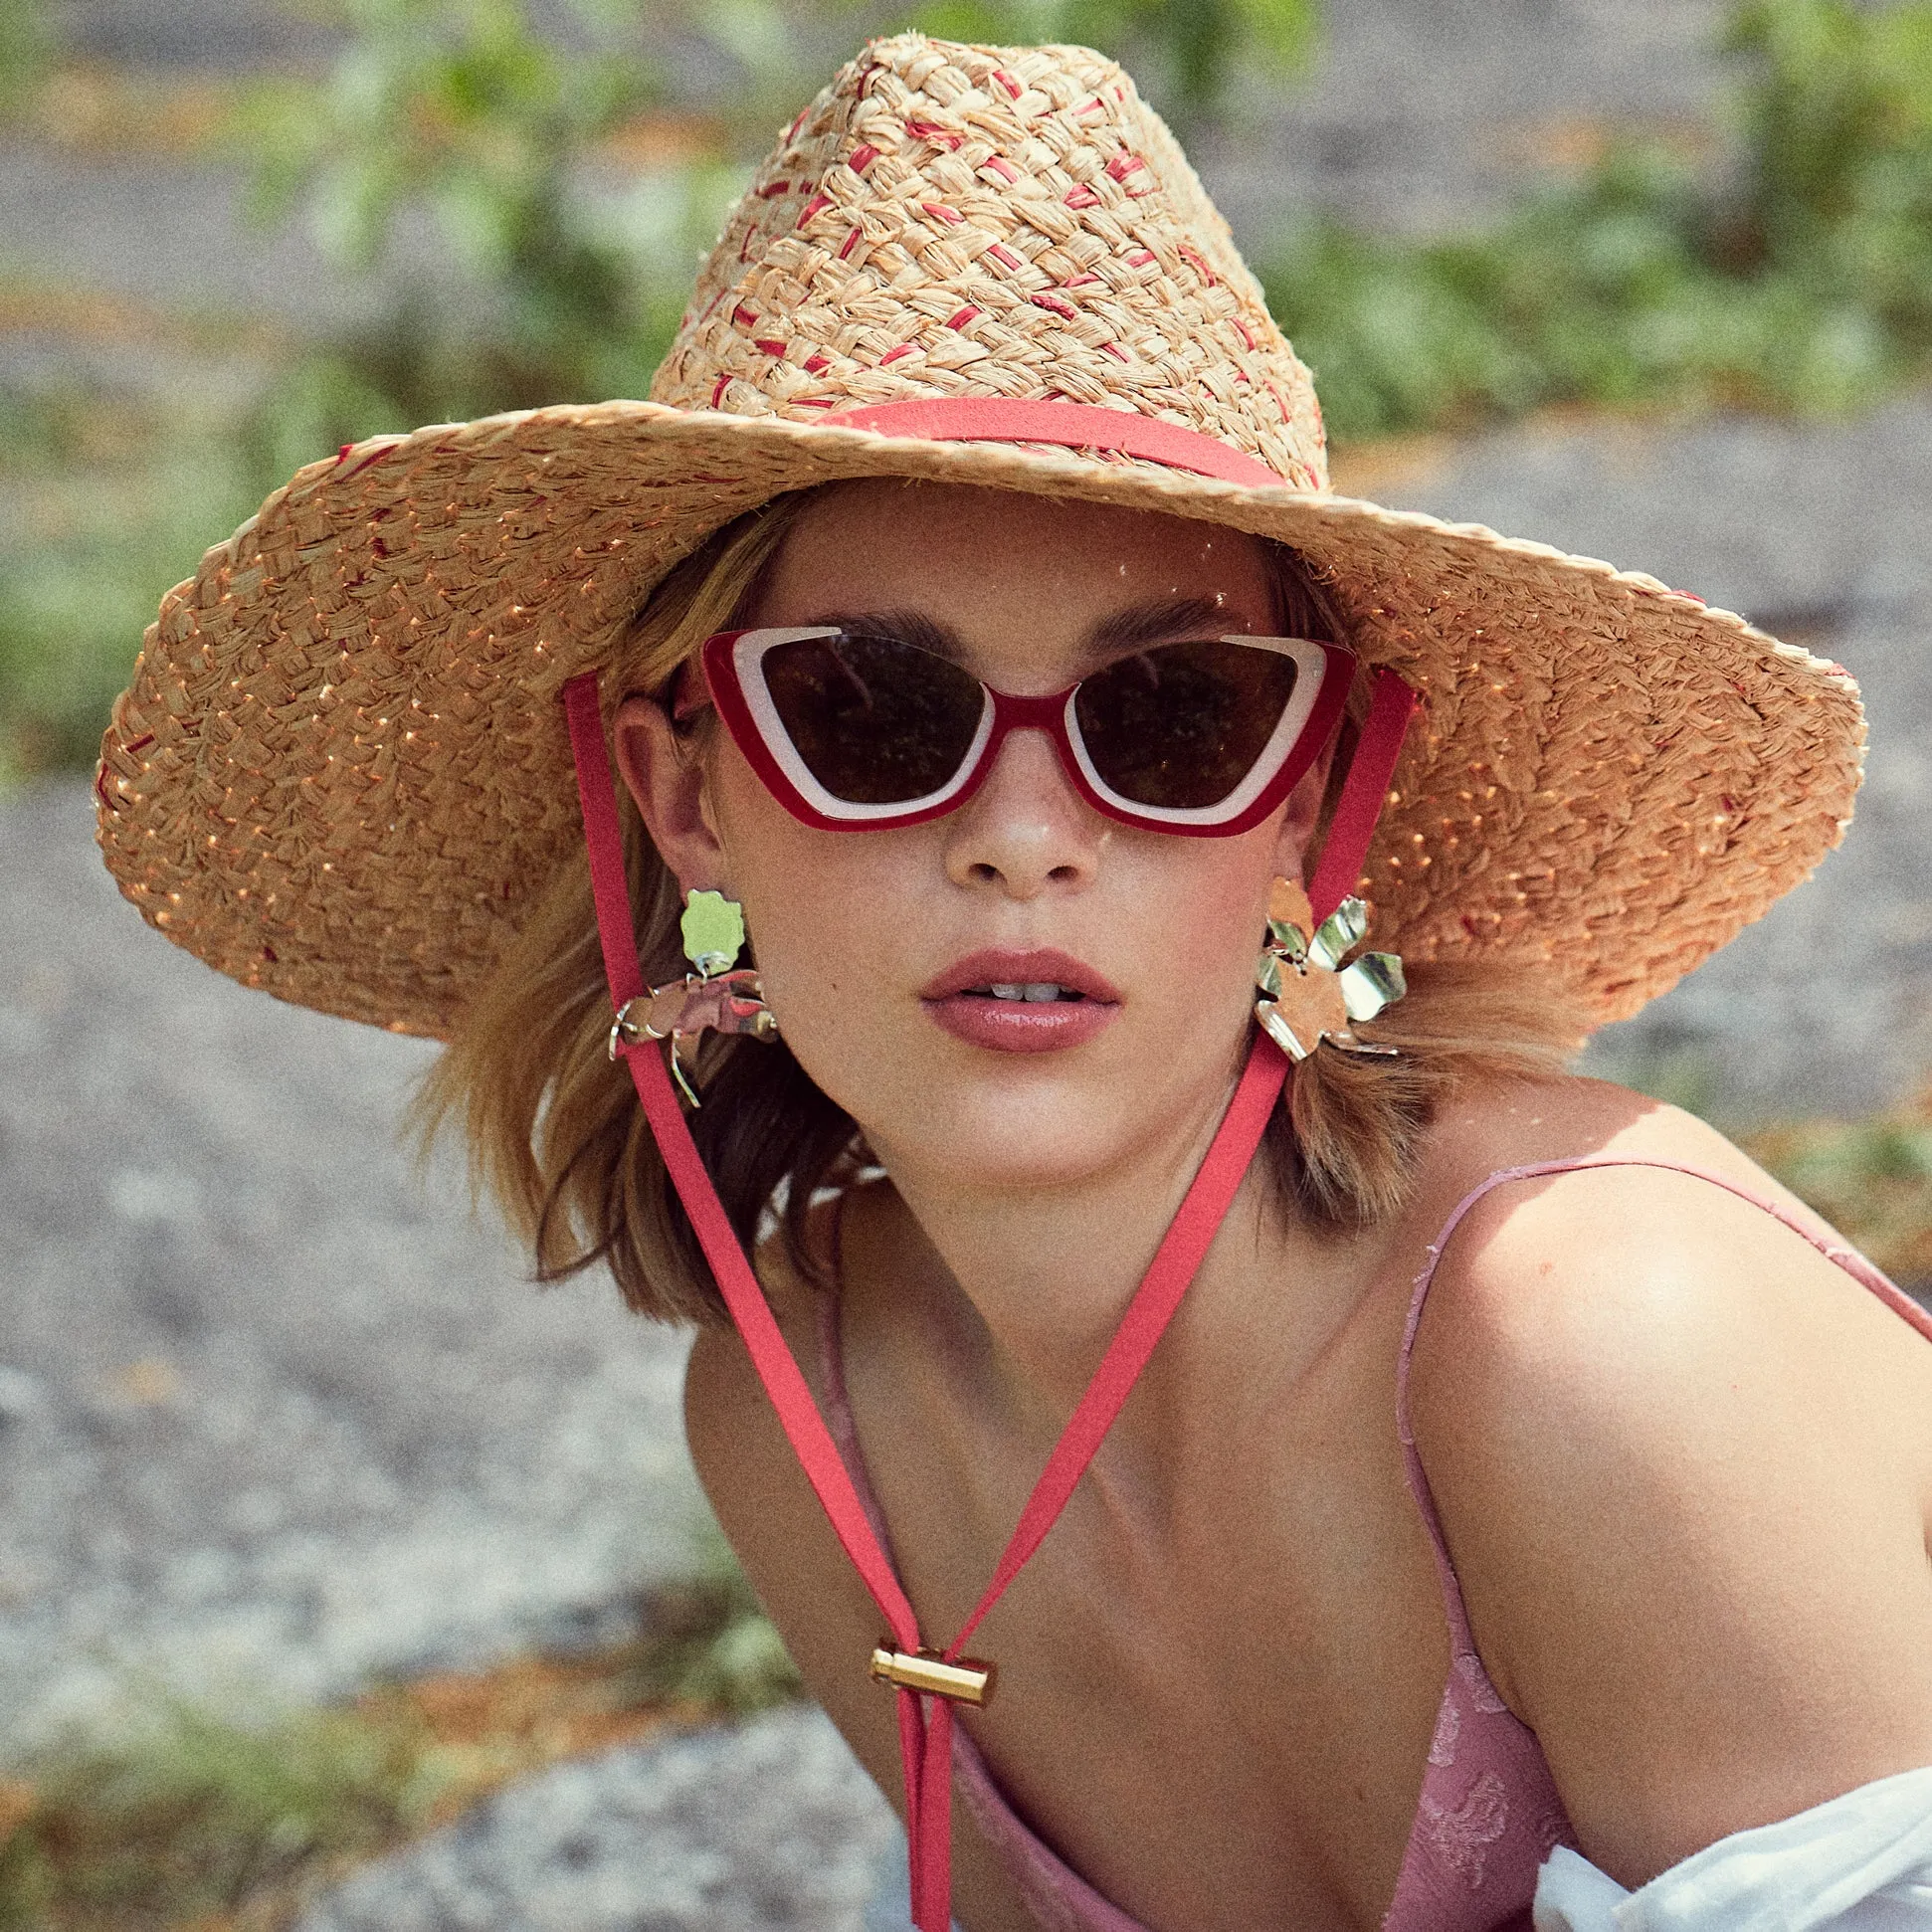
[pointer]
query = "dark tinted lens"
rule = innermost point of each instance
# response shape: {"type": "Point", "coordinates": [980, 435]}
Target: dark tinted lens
{"type": "Point", "coordinates": [877, 721]}
{"type": "Point", "coordinates": [1180, 726]}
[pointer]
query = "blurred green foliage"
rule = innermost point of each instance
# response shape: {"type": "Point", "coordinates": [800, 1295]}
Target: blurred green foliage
{"type": "Point", "coordinates": [196, 1818]}
{"type": "Point", "coordinates": [26, 52]}
{"type": "Point", "coordinates": [707, 1642]}
{"type": "Point", "coordinates": [1871, 1179]}
{"type": "Point", "coordinates": [463, 110]}
{"type": "Point", "coordinates": [193, 1816]}
{"type": "Point", "coordinates": [1796, 273]}
{"type": "Point", "coordinates": [112, 520]}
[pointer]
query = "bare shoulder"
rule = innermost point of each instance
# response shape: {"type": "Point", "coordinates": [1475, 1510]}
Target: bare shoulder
{"type": "Point", "coordinates": [1666, 1248]}
{"type": "Point", "coordinates": [1683, 1460]}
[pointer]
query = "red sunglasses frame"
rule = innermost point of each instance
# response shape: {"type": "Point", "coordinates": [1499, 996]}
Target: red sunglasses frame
{"type": "Point", "coordinates": [1011, 712]}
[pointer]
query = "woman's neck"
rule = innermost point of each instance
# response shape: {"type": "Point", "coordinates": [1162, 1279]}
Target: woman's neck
{"type": "Point", "coordinates": [1014, 1293]}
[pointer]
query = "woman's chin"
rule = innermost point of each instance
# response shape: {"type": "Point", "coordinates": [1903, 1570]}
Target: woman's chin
{"type": "Point", "coordinates": [1019, 1131]}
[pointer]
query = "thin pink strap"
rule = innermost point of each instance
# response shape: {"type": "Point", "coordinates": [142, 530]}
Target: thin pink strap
{"type": "Point", "coordinates": [838, 1416]}
{"type": "Point", "coordinates": [1848, 1259]}
{"type": "Point", "coordinates": [1079, 425]}
{"type": "Point", "coordinates": [736, 1281]}
{"type": "Point", "coordinates": [926, 1740]}
{"type": "Point", "coordinates": [1359, 808]}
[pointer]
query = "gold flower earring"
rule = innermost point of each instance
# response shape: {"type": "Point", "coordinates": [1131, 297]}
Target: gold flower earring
{"type": "Point", "coordinates": [1312, 995]}
{"type": "Point", "coordinates": [719, 995]}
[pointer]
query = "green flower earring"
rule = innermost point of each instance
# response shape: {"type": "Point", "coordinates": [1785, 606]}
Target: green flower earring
{"type": "Point", "coordinates": [718, 995]}
{"type": "Point", "coordinates": [1311, 994]}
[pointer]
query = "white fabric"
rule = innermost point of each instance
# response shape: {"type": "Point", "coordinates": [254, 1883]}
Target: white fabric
{"type": "Point", "coordinates": [1858, 1863]}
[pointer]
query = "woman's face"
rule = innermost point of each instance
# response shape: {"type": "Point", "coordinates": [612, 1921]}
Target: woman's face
{"type": "Point", "coordinates": [877, 947]}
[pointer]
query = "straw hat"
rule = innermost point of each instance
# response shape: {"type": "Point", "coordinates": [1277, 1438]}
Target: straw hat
{"type": "Point", "coordinates": [340, 773]}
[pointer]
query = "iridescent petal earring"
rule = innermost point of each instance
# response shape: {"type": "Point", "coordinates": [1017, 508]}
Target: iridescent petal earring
{"type": "Point", "coordinates": [1311, 994]}
{"type": "Point", "coordinates": [718, 995]}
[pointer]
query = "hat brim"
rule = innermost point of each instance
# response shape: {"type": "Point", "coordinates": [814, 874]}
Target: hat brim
{"type": "Point", "coordinates": [340, 773]}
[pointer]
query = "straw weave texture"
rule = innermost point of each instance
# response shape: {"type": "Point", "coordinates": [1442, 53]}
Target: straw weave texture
{"type": "Point", "coordinates": [341, 772]}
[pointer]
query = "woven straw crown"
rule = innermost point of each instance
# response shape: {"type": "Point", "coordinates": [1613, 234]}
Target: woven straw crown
{"type": "Point", "coordinates": [960, 221]}
{"type": "Point", "coordinates": [340, 772]}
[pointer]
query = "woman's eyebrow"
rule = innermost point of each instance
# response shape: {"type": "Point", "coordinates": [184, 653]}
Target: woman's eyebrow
{"type": "Point", "coordinates": [1159, 619]}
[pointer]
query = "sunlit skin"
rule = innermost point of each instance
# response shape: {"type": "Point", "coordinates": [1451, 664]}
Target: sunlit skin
{"type": "Point", "coordinates": [1685, 1465]}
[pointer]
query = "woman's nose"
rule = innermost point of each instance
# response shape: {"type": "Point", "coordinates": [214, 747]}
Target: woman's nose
{"type": "Point", "coordinates": [1026, 829]}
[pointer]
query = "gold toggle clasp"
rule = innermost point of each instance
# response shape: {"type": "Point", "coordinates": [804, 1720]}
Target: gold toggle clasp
{"type": "Point", "coordinates": [967, 1681]}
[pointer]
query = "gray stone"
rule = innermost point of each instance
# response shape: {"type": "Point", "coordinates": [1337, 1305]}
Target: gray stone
{"type": "Point", "coordinates": [767, 1825]}
{"type": "Point", "coordinates": [275, 1418]}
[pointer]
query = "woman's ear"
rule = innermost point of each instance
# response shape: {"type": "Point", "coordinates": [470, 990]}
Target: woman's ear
{"type": "Point", "coordinates": [662, 771]}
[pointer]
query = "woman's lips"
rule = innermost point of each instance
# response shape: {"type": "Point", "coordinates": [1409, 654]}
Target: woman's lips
{"type": "Point", "coordinates": [962, 1000]}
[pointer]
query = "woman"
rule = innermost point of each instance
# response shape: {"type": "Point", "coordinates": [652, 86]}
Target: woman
{"type": "Point", "coordinates": [969, 609]}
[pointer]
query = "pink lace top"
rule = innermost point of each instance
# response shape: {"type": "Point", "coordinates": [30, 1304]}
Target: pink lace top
{"type": "Point", "coordinates": [1488, 1813]}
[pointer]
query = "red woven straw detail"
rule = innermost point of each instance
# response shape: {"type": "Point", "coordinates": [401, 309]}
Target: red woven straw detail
{"type": "Point", "coordinates": [1000, 166]}
{"type": "Point", "coordinates": [744, 316]}
{"type": "Point", "coordinates": [960, 317]}
{"type": "Point", "coordinates": [1079, 425]}
{"type": "Point", "coordinates": [1081, 197]}
{"type": "Point", "coordinates": [812, 207]}
{"type": "Point", "coordinates": [1124, 165]}
{"type": "Point", "coordinates": [1005, 256]}
{"type": "Point", "coordinates": [930, 130]}
{"type": "Point", "coordinates": [1012, 87]}
{"type": "Point", "coordinates": [773, 189]}
{"type": "Point", "coordinates": [861, 157]}
{"type": "Point", "coordinates": [940, 211]}
{"type": "Point", "coordinates": [1059, 304]}
{"type": "Point", "coordinates": [893, 355]}
{"type": "Point", "coordinates": [851, 241]}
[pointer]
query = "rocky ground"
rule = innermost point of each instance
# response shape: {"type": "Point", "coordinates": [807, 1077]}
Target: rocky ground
{"type": "Point", "coordinates": [769, 1828]}
{"type": "Point", "coordinates": [277, 1419]}
{"type": "Point", "coordinates": [274, 1419]}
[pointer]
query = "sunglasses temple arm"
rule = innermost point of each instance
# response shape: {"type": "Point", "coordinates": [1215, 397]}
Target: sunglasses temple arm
{"type": "Point", "coordinates": [1364, 793]}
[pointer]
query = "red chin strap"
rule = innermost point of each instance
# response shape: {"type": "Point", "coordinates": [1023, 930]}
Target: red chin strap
{"type": "Point", "coordinates": [925, 1717]}
{"type": "Point", "coordinates": [1364, 791]}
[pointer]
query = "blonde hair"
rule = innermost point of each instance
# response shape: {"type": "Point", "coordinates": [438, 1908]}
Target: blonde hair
{"type": "Point", "coordinates": [556, 1135]}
